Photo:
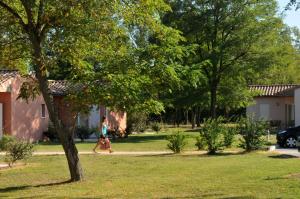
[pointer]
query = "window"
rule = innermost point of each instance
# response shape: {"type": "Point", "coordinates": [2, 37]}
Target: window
{"type": "Point", "coordinates": [264, 110]}
{"type": "Point", "coordinates": [43, 111]}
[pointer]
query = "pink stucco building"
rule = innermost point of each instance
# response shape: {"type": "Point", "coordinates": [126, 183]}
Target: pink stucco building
{"type": "Point", "coordinates": [29, 120]}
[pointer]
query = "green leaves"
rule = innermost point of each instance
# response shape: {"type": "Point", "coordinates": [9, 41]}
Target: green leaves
{"type": "Point", "coordinates": [226, 39]}
{"type": "Point", "coordinates": [119, 49]}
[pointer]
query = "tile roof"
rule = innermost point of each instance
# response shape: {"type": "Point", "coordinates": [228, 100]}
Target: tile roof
{"type": "Point", "coordinates": [7, 74]}
{"type": "Point", "coordinates": [275, 90]}
{"type": "Point", "coordinates": [63, 87]}
{"type": "Point", "coordinates": [57, 87]}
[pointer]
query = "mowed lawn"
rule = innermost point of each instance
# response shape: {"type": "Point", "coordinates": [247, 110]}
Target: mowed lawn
{"type": "Point", "coordinates": [149, 141]}
{"type": "Point", "coordinates": [254, 175]}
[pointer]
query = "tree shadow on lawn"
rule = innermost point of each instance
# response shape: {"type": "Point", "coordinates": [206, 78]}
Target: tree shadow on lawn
{"type": "Point", "coordinates": [130, 139]}
{"type": "Point", "coordinates": [140, 139]}
{"type": "Point", "coordinates": [282, 156]}
{"type": "Point", "coordinates": [49, 197]}
{"type": "Point", "coordinates": [197, 130]}
{"type": "Point", "coordinates": [22, 187]}
{"type": "Point", "coordinates": [219, 196]}
{"type": "Point", "coordinates": [204, 155]}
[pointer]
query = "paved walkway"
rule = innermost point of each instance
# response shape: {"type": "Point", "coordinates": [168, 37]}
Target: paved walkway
{"type": "Point", "coordinates": [3, 166]}
{"type": "Point", "coordinates": [286, 151]}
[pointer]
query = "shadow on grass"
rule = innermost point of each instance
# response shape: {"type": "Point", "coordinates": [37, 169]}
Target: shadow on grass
{"type": "Point", "coordinates": [130, 139]}
{"type": "Point", "coordinates": [22, 187]}
{"type": "Point", "coordinates": [52, 197]}
{"type": "Point", "coordinates": [239, 197]}
{"type": "Point", "coordinates": [282, 156]}
{"type": "Point", "coordinates": [193, 154]}
{"type": "Point", "coordinates": [197, 130]}
{"type": "Point", "coordinates": [275, 178]}
{"type": "Point", "coordinates": [214, 195]}
{"type": "Point", "coordinates": [141, 139]}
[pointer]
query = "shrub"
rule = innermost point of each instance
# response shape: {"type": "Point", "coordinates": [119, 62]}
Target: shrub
{"type": "Point", "coordinates": [18, 150]}
{"type": "Point", "coordinates": [51, 133]}
{"type": "Point", "coordinates": [252, 133]}
{"type": "Point", "coordinates": [177, 142]}
{"type": "Point", "coordinates": [83, 132]}
{"type": "Point", "coordinates": [212, 133]}
{"type": "Point", "coordinates": [156, 126]}
{"type": "Point", "coordinates": [229, 134]}
{"type": "Point", "coordinates": [5, 140]}
{"type": "Point", "coordinates": [200, 143]}
{"type": "Point", "coordinates": [136, 122]}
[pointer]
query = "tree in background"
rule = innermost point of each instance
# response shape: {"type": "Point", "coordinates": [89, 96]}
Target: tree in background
{"type": "Point", "coordinates": [224, 34]}
{"type": "Point", "coordinates": [293, 3]}
{"type": "Point", "coordinates": [93, 37]}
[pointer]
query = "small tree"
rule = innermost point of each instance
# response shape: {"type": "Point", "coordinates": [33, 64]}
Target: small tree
{"type": "Point", "coordinates": [156, 126]}
{"type": "Point", "coordinates": [18, 150]}
{"type": "Point", "coordinates": [212, 133]}
{"type": "Point", "coordinates": [83, 132]}
{"type": "Point", "coordinates": [229, 134]}
{"type": "Point", "coordinates": [177, 142]}
{"type": "Point", "coordinates": [4, 142]}
{"type": "Point", "coordinates": [200, 143]}
{"type": "Point", "coordinates": [252, 132]}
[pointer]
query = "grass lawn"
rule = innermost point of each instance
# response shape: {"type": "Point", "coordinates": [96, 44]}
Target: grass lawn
{"type": "Point", "coordinates": [149, 141]}
{"type": "Point", "coordinates": [139, 142]}
{"type": "Point", "coordinates": [255, 175]}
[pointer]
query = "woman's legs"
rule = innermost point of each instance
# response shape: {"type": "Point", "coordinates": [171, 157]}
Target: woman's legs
{"type": "Point", "coordinates": [108, 145]}
{"type": "Point", "coordinates": [98, 143]}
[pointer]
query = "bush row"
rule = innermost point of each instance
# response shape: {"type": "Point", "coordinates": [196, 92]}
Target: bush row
{"type": "Point", "coordinates": [215, 135]}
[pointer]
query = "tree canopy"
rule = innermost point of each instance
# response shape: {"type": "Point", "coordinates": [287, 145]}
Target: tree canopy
{"type": "Point", "coordinates": [232, 42]}
{"type": "Point", "coordinates": [94, 43]}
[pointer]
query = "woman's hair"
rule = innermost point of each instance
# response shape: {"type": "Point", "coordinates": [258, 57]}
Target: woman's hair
{"type": "Point", "coordinates": [103, 118]}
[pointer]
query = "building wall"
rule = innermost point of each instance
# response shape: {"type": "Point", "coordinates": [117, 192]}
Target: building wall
{"type": "Point", "coordinates": [5, 99]}
{"type": "Point", "coordinates": [27, 122]}
{"type": "Point", "coordinates": [24, 120]}
{"type": "Point", "coordinates": [276, 108]}
{"type": "Point", "coordinates": [94, 117]}
{"type": "Point", "coordinates": [64, 109]}
{"type": "Point", "coordinates": [115, 119]}
{"type": "Point", "coordinates": [297, 107]}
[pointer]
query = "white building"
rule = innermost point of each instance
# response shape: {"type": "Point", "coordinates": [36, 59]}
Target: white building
{"type": "Point", "coordinates": [279, 104]}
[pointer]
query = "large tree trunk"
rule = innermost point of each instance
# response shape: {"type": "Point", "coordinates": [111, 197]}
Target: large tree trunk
{"type": "Point", "coordinates": [36, 31]}
{"type": "Point", "coordinates": [72, 157]}
{"type": "Point", "coordinates": [65, 134]}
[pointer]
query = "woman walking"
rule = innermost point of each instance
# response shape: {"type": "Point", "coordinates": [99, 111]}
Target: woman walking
{"type": "Point", "coordinates": [103, 141]}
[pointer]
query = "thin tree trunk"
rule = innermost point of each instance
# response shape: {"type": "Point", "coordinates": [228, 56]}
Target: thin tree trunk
{"type": "Point", "coordinates": [198, 116]}
{"type": "Point", "coordinates": [178, 116]}
{"type": "Point", "coordinates": [213, 100]}
{"type": "Point", "coordinates": [175, 117]}
{"type": "Point", "coordinates": [193, 117]}
{"type": "Point", "coordinates": [186, 113]}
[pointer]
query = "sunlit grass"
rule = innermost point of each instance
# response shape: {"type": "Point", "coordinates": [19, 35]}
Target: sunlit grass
{"type": "Point", "coordinates": [254, 175]}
